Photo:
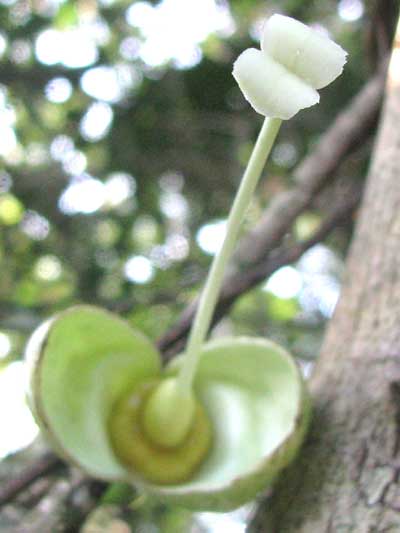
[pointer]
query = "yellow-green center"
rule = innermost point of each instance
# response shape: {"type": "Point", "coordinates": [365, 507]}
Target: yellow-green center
{"type": "Point", "coordinates": [168, 414]}
{"type": "Point", "coordinates": [159, 433]}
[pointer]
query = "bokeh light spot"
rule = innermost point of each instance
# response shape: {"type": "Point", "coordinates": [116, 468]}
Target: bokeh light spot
{"type": "Point", "coordinates": [5, 345]}
{"type": "Point", "coordinates": [84, 195]}
{"type": "Point", "coordinates": [285, 283]}
{"type": "Point", "coordinates": [58, 90]}
{"type": "Point", "coordinates": [96, 122]}
{"type": "Point", "coordinates": [211, 236]}
{"type": "Point", "coordinates": [350, 10]}
{"type": "Point", "coordinates": [35, 226]}
{"type": "Point", "coordinates": [73, 48]}
{"type": "Point", "coordinates": [174, 29]}
{"type": "Point", "coordinates": [138, 269]}
{"type": "Point", "coordinates": [18, 428]}
{"type": "Point", "coordinates": [48, 268]}
{"type": "Point", "coordinates": [11, 210]}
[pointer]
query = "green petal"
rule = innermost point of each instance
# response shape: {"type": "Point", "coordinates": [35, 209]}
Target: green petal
{"type": "Point", "coordinates": [257, 402]}
{"type": "Point", "coordinates": [82, 361]}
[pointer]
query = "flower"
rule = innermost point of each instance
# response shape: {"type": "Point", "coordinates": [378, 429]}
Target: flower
{"type": "Point", "coordinates": [221, 421]}
{"type": "Point", "coordinates": [89, 370]}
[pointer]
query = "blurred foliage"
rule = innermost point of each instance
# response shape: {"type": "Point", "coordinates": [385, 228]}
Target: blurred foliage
{"type": "Point", "coordinates": [113, 160]}
{"type": "Point", "coordinates": [160, 158]}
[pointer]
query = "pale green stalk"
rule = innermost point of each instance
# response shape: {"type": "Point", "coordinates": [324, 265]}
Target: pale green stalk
{"type": "Point", "coordinates": [209, 296]}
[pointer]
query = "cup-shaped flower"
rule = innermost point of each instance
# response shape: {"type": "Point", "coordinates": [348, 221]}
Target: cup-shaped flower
{"type": "Point", "coordinates": [294, 61]}
{"type": "Point", "coordinates": [92, 374]}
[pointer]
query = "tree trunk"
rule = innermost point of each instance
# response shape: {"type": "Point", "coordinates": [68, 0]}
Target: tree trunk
{"type": "Point", "coordinates": [348, 476]}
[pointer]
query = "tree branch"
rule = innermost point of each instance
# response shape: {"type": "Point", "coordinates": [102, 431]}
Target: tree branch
{"type": "Point", "coordinates": [39, 75]}
{"type": "Point", "coordinates": [42, 466]}
{"type": "Point", "coordinates": [240, 282]}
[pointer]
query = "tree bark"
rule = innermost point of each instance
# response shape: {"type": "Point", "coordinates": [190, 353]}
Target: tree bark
{"type": "Point", "coordinates": [348, 476]}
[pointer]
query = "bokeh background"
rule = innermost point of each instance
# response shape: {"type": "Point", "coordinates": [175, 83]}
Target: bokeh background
{"type": "Point", "coordinates": [123, 137]}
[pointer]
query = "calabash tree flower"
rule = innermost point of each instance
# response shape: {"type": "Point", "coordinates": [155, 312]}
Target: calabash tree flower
{"type": "Point", "coordinates": [220, 422]}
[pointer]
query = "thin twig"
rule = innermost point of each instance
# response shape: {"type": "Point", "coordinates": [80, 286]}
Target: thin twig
{"type": "Point", "coordinates": [42, 466]}
{"type": "Point", "coordinates": [244, 281]}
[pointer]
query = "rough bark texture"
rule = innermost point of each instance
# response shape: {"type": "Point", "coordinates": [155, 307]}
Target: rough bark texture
{"type": "Point", "coordinates": [348, 477]}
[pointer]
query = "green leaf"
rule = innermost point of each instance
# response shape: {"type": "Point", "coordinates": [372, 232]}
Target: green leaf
{"type": "Point", "coordinates": [11, 210]}
{"type": "Point", "coordinates": [118, 493]}
{"type": "Point", "coordinates": [67, 16]}
{"type": "Point", "coordinates": [281, 309]}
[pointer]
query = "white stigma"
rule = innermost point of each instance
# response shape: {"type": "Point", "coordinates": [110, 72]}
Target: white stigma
{"type": "Point", "coordinates": [294, 61]}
